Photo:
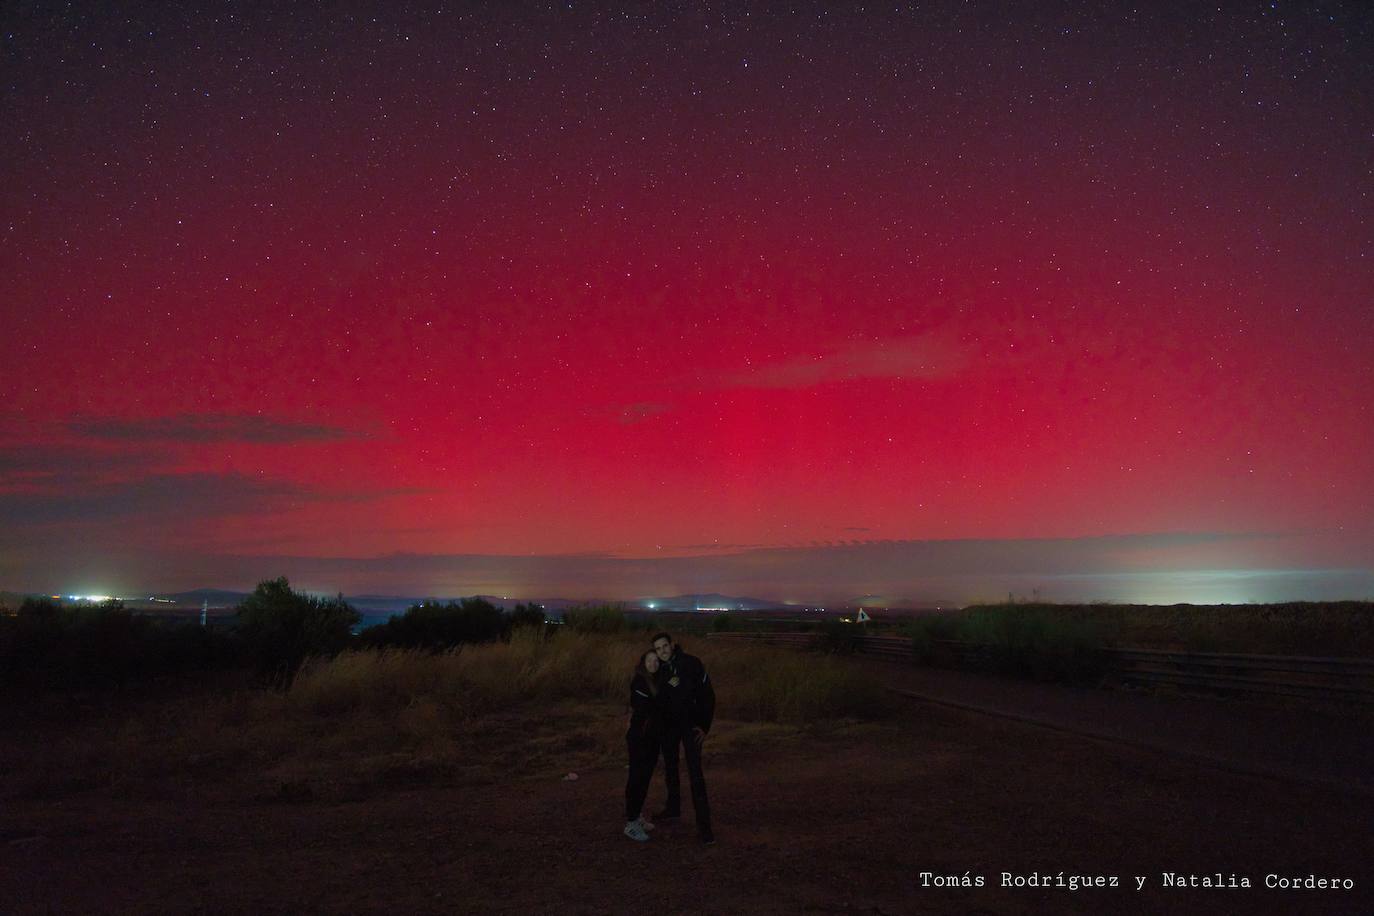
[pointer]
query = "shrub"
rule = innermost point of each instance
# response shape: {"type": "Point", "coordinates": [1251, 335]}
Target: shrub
{"type": "Point", "coordinates": [1035, 641]}
{"type": "Point", "coordinates": [48, 643]}
{"type": "Point", "coordinates": [724, 623]}
{"type": "Point", "coordinates": [838, 638]}
{"type": "Point", "coordinates": [281, 628]}
{"type": "Point", "coordinates": [600, 618]}
{"type": "Point", "coordinates": [437, 627]}
{"type": "Point", "coordinates": [527, 615]}
{"type": "Point", "coordinates": [926, 632]}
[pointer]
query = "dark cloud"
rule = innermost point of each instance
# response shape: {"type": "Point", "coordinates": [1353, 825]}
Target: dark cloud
{"type": "Point", "coordinates": [65, 461]}
{"type": "Point", "coordinates": [919, 357]}
{"type": "Point", "coordinates": [171, 497]}
{"type": "Point", "coordinates": [156, 495]}
{"type": "Point", "coordinates": [208, 427]}
{"type": "Point", "coordinates": [716, 546]}
{"type": "Point", "coordinates": [912, 357]}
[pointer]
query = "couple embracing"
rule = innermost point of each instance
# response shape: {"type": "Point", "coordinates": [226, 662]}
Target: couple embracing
{"type": "Point", "coordinates": [671, 706]}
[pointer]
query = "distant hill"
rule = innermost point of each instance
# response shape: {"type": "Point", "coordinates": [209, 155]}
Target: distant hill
{"type": "Point", "coordinates": [217, 597]}
{"type": "Point", "coordinates": [376, 605]}
{"type": "Point", "coordinates": [713, 601]}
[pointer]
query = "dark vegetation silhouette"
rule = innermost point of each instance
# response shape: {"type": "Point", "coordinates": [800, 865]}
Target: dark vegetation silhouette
{"type": "Point", "coordinates": [46, 643]}
{"type": "Point", "coordinates": [724, 623]}
{"type": "Point", "coordinates": [527, 615]}
{"type": "Point", "coordinates": [438, 627]}
{"type": "Point", "coordinates": [596, 618]}
{"type": "Point", "coordinates": [837, 637]}
{"type": "Point", "coordinates": [281, 628]}
{"type": "Point", "coordinates": [1065, 642]}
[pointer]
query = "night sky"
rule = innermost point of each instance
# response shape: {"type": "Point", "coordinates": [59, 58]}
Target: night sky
{"type": "Point", "coordinates": [922, 302]}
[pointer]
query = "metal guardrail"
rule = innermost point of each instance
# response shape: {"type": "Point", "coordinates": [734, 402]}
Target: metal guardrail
{"type": "Point", "coordinates": [1328, 679]}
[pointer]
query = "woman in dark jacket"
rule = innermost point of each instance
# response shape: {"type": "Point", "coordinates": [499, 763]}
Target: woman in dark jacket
{"type": "Point", "coordinates": [643, 740]}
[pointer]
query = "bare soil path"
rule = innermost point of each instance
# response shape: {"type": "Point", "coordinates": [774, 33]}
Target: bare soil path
{"type": "Point", "coordinates": [843, 820]}
{"type": "Point", "coordinates": [1292, 743]}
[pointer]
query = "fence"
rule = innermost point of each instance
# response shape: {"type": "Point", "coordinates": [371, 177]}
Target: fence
{"type": "Point", "coordinates": [1347, 680]}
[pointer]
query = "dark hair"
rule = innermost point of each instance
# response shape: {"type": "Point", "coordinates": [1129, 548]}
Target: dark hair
{"type": "Point", "coordinates": [643, 672]}
{"type": "Point", "coordinates": [658, 636]}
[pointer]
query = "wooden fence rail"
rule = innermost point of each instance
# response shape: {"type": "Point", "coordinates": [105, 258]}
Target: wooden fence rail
{"type": "Point", "coordinates": [1349, 680]}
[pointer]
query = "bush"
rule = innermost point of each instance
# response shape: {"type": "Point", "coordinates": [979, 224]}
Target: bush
{"type": "Point", "coordinates": [724, 623]}
{"type": "Point", "coordinates": [926, 632]}
{"type": "Point", "coordinates": [437, 627]}
{"type": "Point", "coordinates": [1035, 641]}
{"type": "Point", "coordinates": [50, 644]}
{"type": "Point", "coordinates": [281, 628]}
{"type": "Point", "coordinates": [600, 618]}
{"type": "Point", "coordinates": [1045, 642]}
{"type": "Point", "coordinates": [838, 638]}
{"type": "Point", "coordinates": [527, 615]}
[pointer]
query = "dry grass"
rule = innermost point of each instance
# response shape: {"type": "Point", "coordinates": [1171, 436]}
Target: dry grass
{"type": "Point", "coordinates": [359, 722]}
{"type": "Point", "coordinates": [759, 684]}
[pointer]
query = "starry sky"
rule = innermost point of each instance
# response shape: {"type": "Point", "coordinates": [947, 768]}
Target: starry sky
{"type": "Point", "coordinates": [934, 302]}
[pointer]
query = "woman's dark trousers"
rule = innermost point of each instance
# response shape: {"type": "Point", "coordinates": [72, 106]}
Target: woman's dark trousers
{"type": "Point", "coordinates": [643, 758]}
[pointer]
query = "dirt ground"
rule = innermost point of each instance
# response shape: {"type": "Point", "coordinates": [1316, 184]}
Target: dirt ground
{"type": "Point", "coordinates": [838, 820]}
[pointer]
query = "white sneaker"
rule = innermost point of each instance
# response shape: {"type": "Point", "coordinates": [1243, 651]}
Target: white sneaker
{"type": "Point", "coordinates": [644, 823]}
{"type": "Point", "coordinates": [635, 832]}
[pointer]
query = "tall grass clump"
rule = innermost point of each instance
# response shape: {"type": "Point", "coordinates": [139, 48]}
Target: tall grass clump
{"type": "Point", "coordinates": [1329, 628]}
{"type": "Point", "coordinates": [1036, 642]}
{"type": "Point", "coordinates": [836, 637]}
{"type": "Point", "coordinates": [570, 666]}
{"type": "Point", "coordinates": [758, 684]}
{"type": "Point", "coordinates": [753, 683]}
{"type": "Point", "coordinates": [372, 681]}
{"type": "Point", "coordinates": [471, 679]}
{"type": "Point", "coordinates": [1334, 628]}
{"type": "Point", "coordinates": [1022, 640]}
{"type": "Point", "coordinates": [925, 632]}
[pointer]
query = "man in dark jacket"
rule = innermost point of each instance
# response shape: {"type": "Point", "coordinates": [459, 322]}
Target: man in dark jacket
{"type": "Point", "coordinates": [691, 704]}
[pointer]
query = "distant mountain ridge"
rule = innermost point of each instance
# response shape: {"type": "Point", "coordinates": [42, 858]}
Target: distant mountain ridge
{"type": "Point", "coordinates": [377, 604]}
{"type": "Point", "coordinates": [384, 605]}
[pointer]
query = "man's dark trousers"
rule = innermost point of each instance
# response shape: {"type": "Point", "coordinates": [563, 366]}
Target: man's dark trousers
{"type": "Point", "coordinates": [672, 738]}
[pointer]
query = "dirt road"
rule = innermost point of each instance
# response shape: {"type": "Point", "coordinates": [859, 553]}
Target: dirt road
{"type": "Point", "coordinates": [1292, 743]}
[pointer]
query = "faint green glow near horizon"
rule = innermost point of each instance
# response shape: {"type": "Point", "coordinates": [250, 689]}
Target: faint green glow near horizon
{"type": "Point", "coordinates": [1215, 586]}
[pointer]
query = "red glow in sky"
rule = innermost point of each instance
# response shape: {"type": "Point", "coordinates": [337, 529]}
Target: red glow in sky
{"type": "Point", "coordinates": [713, 300]}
